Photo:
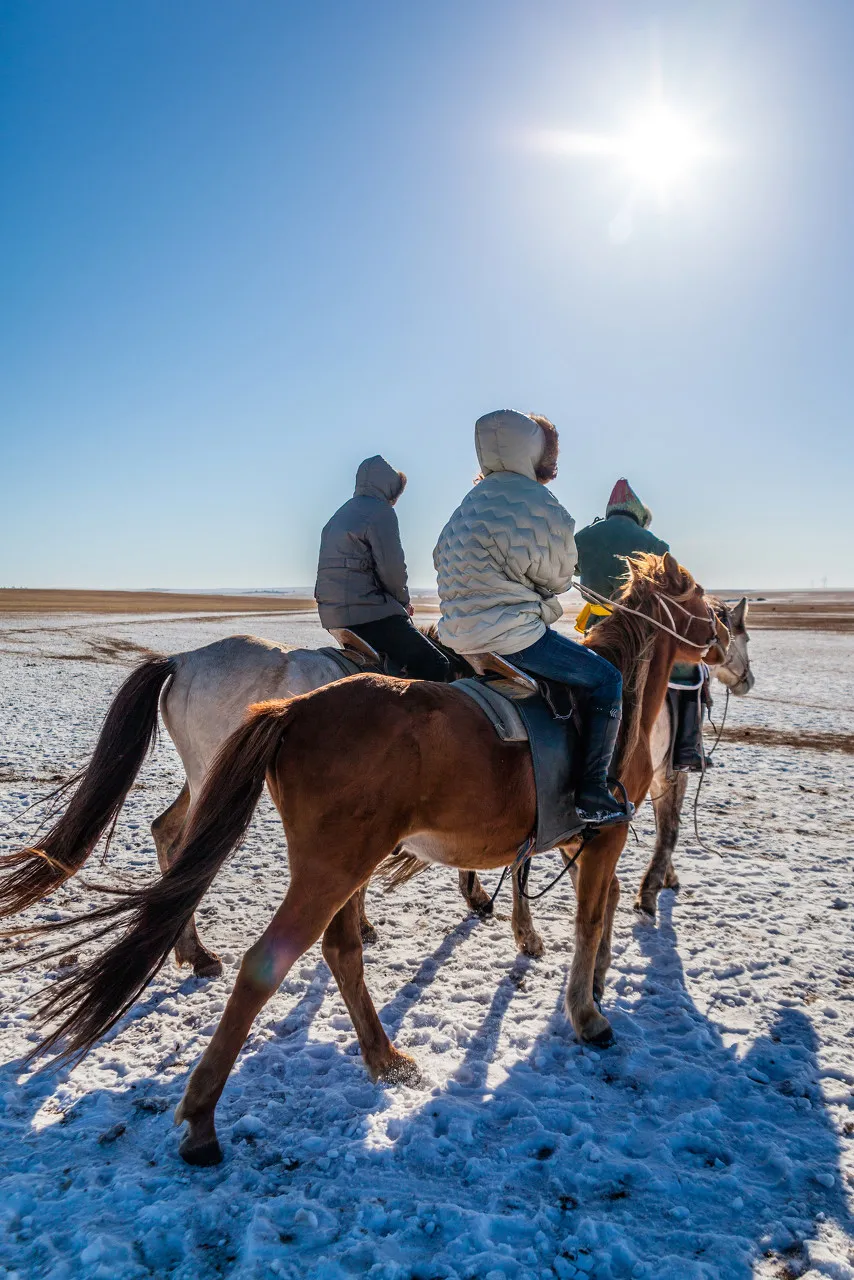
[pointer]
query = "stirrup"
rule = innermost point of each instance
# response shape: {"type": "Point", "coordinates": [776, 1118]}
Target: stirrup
{"type": "Point", "coordinates": [349, 640]}
{"type": "Point", "coordinates": [698, 765]}
{"type": "Point", "coordinates": [612, 819]}
{"type": "Point", "coordinates": [606, 819]}
{"type": "Point", "coordinates": [494, 663]}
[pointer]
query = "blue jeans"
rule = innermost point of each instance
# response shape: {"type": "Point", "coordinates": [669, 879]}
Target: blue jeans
{"type": "Point", "coordinates": [558, 658]}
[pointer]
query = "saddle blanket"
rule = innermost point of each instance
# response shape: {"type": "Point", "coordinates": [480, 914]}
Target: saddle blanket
{"type": "Point", "coordinates": [520, 716]}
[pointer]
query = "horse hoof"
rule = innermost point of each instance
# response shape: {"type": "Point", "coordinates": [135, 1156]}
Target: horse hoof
{"type": "Point", "coordinates": [603, 1040]}
{"type": "Point", "coordinates": [208, 966]}
{"type": "Point", "coordinates": [369, 934]}
{"type": "Point", "coordinates": [644, 913]}
{"type": "Point", "coordinates": [400, 1070]}
{"type": "Point", "coordinates": [203, 1155]}
{"type": "Point", "coordinates": [532, 946]}
{"type": "Point", "coordinates": [483, 910]}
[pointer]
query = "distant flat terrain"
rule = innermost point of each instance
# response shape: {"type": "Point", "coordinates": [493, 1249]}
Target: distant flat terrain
{"type": "Point", "coordinates": [801, 610]}
{"type": "Point", "coordinates": [769, 610]}
{"type": "Point", "coordinates": [26, 600]}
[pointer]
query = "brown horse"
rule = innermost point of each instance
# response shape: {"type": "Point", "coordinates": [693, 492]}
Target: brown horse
{"type": "Point", "coordinates": [411, 762]}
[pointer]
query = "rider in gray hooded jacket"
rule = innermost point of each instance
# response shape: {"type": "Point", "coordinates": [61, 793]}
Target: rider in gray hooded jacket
{"type": "Point", "coordinates": [361, 574]}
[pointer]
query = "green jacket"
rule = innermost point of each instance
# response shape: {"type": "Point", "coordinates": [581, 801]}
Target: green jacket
{"type": "Point", "coordinates": [600, 546]}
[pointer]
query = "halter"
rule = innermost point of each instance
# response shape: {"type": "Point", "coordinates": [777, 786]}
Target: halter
{"type": "Point", "coordinates": [703, 646]}
{"type": "Point", "coordinates": [744, 666]}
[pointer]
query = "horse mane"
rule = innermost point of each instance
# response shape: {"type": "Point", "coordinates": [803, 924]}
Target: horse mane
{"type": "Point", "coordinates": [628, 642]}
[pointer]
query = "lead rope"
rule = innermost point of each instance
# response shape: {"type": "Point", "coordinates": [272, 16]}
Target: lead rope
{"type": "Point", "coordinates": [707, 756]}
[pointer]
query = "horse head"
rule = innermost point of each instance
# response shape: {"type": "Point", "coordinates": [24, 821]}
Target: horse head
{"type": "Point", "coordinates": [735, 670]}
{"type": "Point", "coordinates": [674, 602]}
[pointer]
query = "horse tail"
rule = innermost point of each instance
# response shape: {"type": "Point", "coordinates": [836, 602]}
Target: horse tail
{"type": "Point", "coordinates": [92, 1000]}
{"type": "Point", "coordinates": [100, 790]}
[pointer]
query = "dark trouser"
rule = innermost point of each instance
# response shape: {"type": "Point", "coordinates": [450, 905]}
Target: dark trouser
{"type": "Point", "coordinates": [396, 638]}
{"type": "Point", "coordinates": [558, 658]}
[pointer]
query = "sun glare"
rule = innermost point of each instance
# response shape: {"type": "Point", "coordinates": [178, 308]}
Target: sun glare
{"type": "Point", "coordinates": [660, 149]}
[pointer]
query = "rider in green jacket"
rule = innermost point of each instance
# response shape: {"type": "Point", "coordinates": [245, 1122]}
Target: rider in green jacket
{"type": "Point", "coordinates": [601, 548]}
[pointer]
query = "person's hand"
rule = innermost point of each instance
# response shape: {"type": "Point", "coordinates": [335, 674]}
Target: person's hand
{"type": "Point", "coordinates": [410, 610]}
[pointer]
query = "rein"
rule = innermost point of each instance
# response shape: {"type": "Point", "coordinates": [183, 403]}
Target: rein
{"type": "Point", "coordinates": [521, 864]}
{"type": "Point", "coordinates": [521, 868]}
{"type": "Point", "coordinates": [707, 755]}
{"type": "Point", "coordinates": [593, 597]}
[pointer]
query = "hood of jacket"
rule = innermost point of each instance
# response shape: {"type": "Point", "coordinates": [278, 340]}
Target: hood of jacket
{"type": "Point", "coordinates": [625, 502]}
{"type": "Point", "coordinates": [507, 440]}
{"type": "Point", "coordinates": [377, 478]}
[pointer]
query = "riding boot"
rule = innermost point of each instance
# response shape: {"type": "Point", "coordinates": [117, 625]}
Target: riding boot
{"type": "Point", "coordinates": [688, 747]}
{"type": "Point", "coordinates": [594, 802]}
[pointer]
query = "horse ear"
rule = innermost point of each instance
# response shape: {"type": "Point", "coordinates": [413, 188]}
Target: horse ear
{"type": "Point", "coordinates": [671, 565]}
{"type": "Point", "coordinates": [739, 614]}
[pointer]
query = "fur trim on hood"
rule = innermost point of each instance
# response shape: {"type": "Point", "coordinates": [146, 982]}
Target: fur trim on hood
{"type": "Point", "coordinates": [507, 440]}
{"type": "Point", "coordinates": [377, 478]}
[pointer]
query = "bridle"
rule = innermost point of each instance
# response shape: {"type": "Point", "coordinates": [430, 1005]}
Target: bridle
{"type": "Point", "coordinates": [741, 675]}
{"type": "Point", "coordinates": [703, 646]}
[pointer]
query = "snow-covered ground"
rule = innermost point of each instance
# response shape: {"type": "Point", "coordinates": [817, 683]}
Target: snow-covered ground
{"type": "Point", "coordinates": [716, 1139]}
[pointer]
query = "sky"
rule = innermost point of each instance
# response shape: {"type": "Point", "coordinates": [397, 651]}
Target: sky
{"type": "Point", "coordinates": [243, 246]}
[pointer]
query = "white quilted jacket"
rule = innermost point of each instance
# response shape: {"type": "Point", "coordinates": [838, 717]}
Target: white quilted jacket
{"type": "Point", "coordinates": [508, 549]}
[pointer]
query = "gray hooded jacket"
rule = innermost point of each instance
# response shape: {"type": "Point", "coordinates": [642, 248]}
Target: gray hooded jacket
{"type": "Point", "coordinates": [361, 571]}
{"type": "Point", "coordinates": [508, 550]}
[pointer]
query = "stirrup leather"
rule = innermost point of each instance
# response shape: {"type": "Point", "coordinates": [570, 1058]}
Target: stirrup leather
{"type": "Point", "coordinates": [494, 664]}
{"type": "Point", "coordinates": [349, 640]}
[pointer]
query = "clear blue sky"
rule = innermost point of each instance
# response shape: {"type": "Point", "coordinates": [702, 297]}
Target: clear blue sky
{"type": "Point", "coordinates": [243, 246]}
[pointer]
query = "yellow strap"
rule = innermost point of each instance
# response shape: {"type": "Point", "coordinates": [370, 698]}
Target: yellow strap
{"type": "Point", "coordinates": [590, 610]}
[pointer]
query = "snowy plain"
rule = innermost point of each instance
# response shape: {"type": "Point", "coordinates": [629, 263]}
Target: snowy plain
{"type": "Point", "coordinates": [715, 1140]}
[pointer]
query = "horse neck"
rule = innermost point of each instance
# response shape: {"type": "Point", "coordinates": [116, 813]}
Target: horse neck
{"type": "Point", "coordinates": [657, 680]}
{"type": "Point", "coordinates": [636, 760]}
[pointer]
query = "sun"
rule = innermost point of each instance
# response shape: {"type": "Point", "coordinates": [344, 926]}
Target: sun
{"type": "Point", "coordinates": [660, 149]}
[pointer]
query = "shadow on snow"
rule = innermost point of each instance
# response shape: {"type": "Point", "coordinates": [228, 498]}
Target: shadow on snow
{"type": "Point", "coordinates": [668, 1156]}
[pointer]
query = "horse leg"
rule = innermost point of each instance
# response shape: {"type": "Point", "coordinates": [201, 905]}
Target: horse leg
{"type": "Point", "coordinates": [366, 929]}
{"type": "Point", "coordinates": [528, 940]}
{"type": "Point", "coordinates": [603, 955]}
{"type": "Point", "coordinates": [475, 895]}
{"type": "Point", "coordinates": [660, 873]}
{"type": "Point", "coordinates": [309, 905]}
{"type": "Point", "coordinates": [671, 879]}
{"type": "Point", "coordinates": [342, 951]}
{"type": "Point", "coordinates": [593, 884]}
{"type": "Point", "coordinates": [167, 831]}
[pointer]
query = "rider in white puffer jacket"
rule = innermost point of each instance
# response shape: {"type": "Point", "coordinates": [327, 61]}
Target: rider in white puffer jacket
{"type": "Point", "coordinates": [502, 559]}
{"type": "Point", "coordinates": [508, 550]}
